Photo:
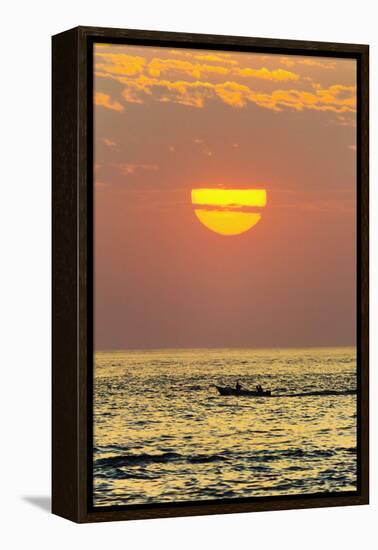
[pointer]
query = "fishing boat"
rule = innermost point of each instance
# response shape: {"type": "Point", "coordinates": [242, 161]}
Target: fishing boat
{"type": "Point", "coordinates": [227, 390]}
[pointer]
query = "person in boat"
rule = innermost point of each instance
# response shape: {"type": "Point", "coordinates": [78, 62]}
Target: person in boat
{"type": "Point", "coordinates": [238, 386]}
{"type": "Point", "coordinates": [259, 388]}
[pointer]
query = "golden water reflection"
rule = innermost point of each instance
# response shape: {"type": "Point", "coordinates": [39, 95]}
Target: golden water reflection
{"type": "Point", "coordinates": [163, 434]}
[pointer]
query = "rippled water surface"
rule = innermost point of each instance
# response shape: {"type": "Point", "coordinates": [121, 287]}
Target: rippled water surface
{"type": "Point", "coordinates": [163, 434]}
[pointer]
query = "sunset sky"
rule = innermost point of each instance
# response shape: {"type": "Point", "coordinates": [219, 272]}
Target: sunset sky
{"type": "Point", "coordinates": [168, 122]}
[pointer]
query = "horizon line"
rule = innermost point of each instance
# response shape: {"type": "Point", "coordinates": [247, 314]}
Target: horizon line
{"type": "Point", "coordinates": [212, 348]}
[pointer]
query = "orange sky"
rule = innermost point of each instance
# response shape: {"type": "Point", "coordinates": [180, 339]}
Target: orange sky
{"type": "Point", "coordinates": [168, 121]}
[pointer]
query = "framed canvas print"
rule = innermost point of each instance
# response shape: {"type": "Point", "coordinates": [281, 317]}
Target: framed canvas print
{"type": "Point", "coordinates": [210, 274]}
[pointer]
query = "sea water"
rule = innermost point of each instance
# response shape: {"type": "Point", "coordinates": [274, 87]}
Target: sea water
{"type": "Point", "coordinates": [162, 433]}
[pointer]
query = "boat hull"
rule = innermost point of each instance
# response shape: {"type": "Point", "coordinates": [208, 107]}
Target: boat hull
{"type": "Point", "coordinates": [242, 393]}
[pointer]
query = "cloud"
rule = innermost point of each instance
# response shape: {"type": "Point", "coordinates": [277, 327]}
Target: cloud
{"type": "Point", "coordinates": [266, 74]}
{"type": "Point", "coordinates": [233, 94]}
{"type": "Point", "coordinates": [157, 66]}
{"type": "Point", "coordinates": [128, 169]}
{"type": "Point", "coordinates": [344, 119]}
{"type": "Point", "coordinates": [310, 62]}
{"type": "Point", "coordinates": [186, 93]}
{"type": "Point", "coordinates": [235, 86]}
{"type": "Point", "coordinates": [212, 57]}
{"type": "Point", "coordinates": [192, 94]}
{"type": "Point", "coordinates": [102, 46]}
{"type": "Point", "coordinates": [109, 142]}
{"type": "Point", "coordinates": [328, 205]}
{"type": "Point", "coordinates": [120, 63]}
{"type": "Point", "coordinates": [129, 65]}
{"type": "Point", "coordinates": [219, 58]}
{"type": "Point", "coordinates": [336, 98]}
{"type": "Point", "coordinates": [104, 100]}
{"type": "Point", "coordinates": [338, 95]}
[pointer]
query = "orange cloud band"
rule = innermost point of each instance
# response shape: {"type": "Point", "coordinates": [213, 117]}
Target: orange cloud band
{"type": "Point", "coordinates": [336, 98]}
{"type": "Point", "coordinates": [104, 100]}
{"type": "Point", "coordinates": [130, 65]}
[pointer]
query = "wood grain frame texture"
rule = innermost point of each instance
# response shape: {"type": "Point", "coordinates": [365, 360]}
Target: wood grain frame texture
{"type": "Point", "coordinates": [72, 271]}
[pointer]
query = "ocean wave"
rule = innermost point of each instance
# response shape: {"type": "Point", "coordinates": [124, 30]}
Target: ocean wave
{"type": "Point", "coordinates": [286, 393]}
{"type": "Point", "coordinates": [143, 458]}
{"type": "Point", "coordinates": [319, 393]}
{"type": "Point", "coordinates": [117, 473]}
{"type": "Point", "coordinates": [257, 457]}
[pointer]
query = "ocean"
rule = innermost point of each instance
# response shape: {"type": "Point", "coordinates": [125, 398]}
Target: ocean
{"type": "Point", "coordinates": [162, 433]}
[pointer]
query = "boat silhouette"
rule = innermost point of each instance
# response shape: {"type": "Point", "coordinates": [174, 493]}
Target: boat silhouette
{"type": "Point", "coordinates": [228, 390]}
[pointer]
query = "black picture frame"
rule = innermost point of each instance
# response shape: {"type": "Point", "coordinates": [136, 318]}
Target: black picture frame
{"type": "Point", "coordinates": [72, 271]}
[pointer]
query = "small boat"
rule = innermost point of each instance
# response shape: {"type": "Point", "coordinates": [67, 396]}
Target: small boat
{"type": "Point", "coordinates": [241, 392]}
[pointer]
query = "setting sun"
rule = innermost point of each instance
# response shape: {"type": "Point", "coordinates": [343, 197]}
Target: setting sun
{"type": "Point", "coordinates": [225, 211]}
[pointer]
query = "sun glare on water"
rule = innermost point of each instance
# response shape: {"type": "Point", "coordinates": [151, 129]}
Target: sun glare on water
{"type": "Point", "coordinates": [228, 211]}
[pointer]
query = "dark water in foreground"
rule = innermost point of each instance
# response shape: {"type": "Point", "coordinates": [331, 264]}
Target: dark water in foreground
{"type": "Point", "coordinates": [163, 434]}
